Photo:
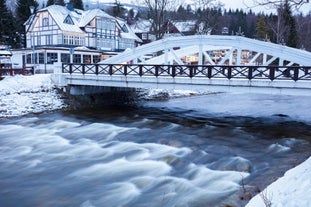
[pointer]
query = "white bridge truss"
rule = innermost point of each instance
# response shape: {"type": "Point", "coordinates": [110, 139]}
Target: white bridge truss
{"type": "Point", "coordinates": [232, 50]}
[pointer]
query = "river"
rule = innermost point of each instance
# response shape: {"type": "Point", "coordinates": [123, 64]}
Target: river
{"type": "Point", "coordinates": [208, 150]}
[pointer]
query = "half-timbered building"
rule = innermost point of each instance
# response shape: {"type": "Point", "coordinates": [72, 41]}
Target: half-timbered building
{"type": "Point", "coordinates": [58, 34]}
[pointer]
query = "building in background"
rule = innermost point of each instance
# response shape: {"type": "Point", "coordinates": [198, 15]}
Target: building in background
{"type": "Point", "coordinates": [62, 34]}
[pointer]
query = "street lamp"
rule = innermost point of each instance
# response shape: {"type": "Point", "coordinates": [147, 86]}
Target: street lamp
{"type": "Point", "coordinates": [32, 9]}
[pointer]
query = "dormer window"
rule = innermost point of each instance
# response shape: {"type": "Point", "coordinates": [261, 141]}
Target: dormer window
{"type": "Point", "coordinates": [68, 20]}
{"type": "Point", "coordinates": [45, 21]}
{"type": "Point", "coordinates": [124, 29]}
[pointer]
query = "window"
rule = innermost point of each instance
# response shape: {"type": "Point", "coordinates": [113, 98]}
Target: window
{"type": "Point", "coordinates": [28, 59]}
{"type": "Point", "coordinates": [65, 58]}
{"type": "Point", "coordinates": [76, 58]}
{"type": "Point", "coordinates": [68, 20]}
{"type": "Point", "coordinates": [49, 39]}
{"type": "Point", "coordinates": [39, 40]}
{"type": "Point", "coordinates": [105, 28]}
{"type": "Point", "coordinates": [124, 29]}
{"type": "Point", "coordinates": [96, 58]}
{"type": "Point", "coordinates": [35, 58]}
{"type": "Point", "coordinates": [82, 41]}
{"type": "Point", "coordinates": [59, 39]}
{"type": "Point", "coordinates": [126, 43]}
{"type": "Point", "coordinates": [66, 40]}
{"type": "Point", "coordinates": [45, 22]}
{"type": "Point", "coordinates": [71, 40]}
{"type": "Point", "coordinates": [86, 58]}
{"type": "Point", "coordinates": [41, 58]}
{"type": "Point", "coordinates": [51, 58]}
{"type": "Point", "coordinates": [77, 40]}
{"type": "Point", "coordinates": [145, 36]}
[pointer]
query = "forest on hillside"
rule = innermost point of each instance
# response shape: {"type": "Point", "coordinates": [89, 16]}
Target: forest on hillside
{"type": "Point", "coordinates": [282, 27]}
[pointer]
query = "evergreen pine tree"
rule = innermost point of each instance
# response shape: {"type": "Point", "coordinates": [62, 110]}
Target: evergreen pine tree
{"type": "Point", "coordinates": [291, 35]}
{"type": "Point", "coordinates": [55, 2]}
{"type": "Point", "coordinates": [60, 2]}
{"type": "Point", "coordinates": [118, 10]}
{"type": "Point", "coordinates": [49, 3]}
{"type": "Point", "coordinates": [22, 14]}
{"type": "Point", "coordinates": [262, 28]}
{"type": "Point", "coordinates": [7, 26]}
{"type": "Point", "coordinates": [77, 4]}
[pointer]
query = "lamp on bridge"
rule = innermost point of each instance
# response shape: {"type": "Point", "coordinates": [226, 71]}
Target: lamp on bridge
{"type": "Point", "coordinates": [32, 9]}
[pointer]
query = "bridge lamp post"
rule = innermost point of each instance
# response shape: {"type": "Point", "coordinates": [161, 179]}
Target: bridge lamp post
{"type": "Point", "coordinates": [32, 9]}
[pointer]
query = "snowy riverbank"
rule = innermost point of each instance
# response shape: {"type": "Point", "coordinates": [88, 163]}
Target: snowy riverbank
{"type": "Point", "coordinates": [22, 95]}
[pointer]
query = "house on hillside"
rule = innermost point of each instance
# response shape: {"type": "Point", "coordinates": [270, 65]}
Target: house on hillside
{"type": "Point", "coordinates": [142, 29]}
{"type": "Point", "coordinates": [62, 34]}
{"type": "Point", "coordinates": [179, 28]}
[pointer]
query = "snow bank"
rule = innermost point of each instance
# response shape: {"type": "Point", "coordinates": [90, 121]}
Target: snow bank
{"type": "Point", "coordinates": [20, 95]}
{"type": "Point", "coordinates": [291, 190]}
{"type": "Point", "coordinates": [160, 94]}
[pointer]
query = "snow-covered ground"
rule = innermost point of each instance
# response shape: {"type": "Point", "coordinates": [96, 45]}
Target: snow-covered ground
{"type": "Point", "coordinates": [292, 190]}
{"type": "Point", "coordinates": [22, 95]}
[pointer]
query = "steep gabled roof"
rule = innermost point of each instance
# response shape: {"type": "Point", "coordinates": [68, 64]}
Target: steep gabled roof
{"type": "Point", "coordinates": [61, 13]}
{"type": "Point", "coordinates": [126, 31]}
{"type": "Point", "coordinates": [141, 26]}
{"type": "Point", "coordinates": [185, 26]}
{"type": "Point", "coordinates": [73, 20]}
{"type": "Point", "coordinates": [89, 15]}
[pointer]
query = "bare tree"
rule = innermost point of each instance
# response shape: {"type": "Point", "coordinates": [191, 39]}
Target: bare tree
{"type": "Point", "coordinates": [159, 13]}
{"type": "Point", "coordinates": [304, 30]}
{"type": "Point", "coordinates": [275, 3]}
{"type": "Point", "coordinates": [285, 22]}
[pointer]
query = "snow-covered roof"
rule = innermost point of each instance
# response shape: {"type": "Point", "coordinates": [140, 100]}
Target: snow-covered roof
{"type": "Point", "coordinates": [129, 33]}
{"type": "Point", "coordinates": [5, 53]}
{"type": "Point", "coordinates": [78, 19]}
{"type": "Point", "coordinates": [141, 26]}
{"type": "Point", "coordinates": [185, 26]}
{"type": "Point", "coordinates": [60, 13]}
{"type": "Point", "coordinates": [89, 15]}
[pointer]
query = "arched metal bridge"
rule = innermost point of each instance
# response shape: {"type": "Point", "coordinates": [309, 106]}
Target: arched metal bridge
{"type": "Point", "coordinates": [243, 65]}
{"type": "Point", "coordinates": [235, 50]}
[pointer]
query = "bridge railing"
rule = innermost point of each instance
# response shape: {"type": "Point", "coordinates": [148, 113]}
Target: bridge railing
{"type": "Point", "coordinates": [294, 73]}
{"type": "Point", "coordinates": [9, 71]}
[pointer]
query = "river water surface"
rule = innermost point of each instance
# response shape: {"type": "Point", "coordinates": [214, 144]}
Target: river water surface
{"type": "Point", "coordinates": [184, 152]}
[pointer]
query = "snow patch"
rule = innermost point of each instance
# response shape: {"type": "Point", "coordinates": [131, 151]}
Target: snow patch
{"type": "Point", "coordinates": [291, 190]}
{"type": "Point", "coordinates": [20, 95]}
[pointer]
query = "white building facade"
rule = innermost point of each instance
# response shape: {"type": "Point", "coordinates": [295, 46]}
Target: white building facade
{"type": "Point", "coordinates": [61, 34]}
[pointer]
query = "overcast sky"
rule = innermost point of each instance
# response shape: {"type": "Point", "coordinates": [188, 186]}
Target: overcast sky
{"type": "Point", "coordinates": [233, 4]}
{"type": "Point", "coordinates": [241, 4]}
{"type": "Point", "coordinates": [246, 4]}
{"type": "Point", "coordinates": [237, 3]}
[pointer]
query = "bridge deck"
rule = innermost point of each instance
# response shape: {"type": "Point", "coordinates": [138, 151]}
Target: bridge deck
{"type": "Point", "coordinates": [267, 79]}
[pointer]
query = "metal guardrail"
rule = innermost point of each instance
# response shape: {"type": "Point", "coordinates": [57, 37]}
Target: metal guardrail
{"type": "Point", "coordinates": [271, 73]}
{"type": "Point", "coordinates": [4, 71]}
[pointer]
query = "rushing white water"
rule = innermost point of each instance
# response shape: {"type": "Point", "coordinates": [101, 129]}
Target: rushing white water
{"type": "Point", "coordinates": [67, 155]}
{"type": "Point", "coordinates": [197, 151]}
{"type": "Point", "coordinates": [134, 160]}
